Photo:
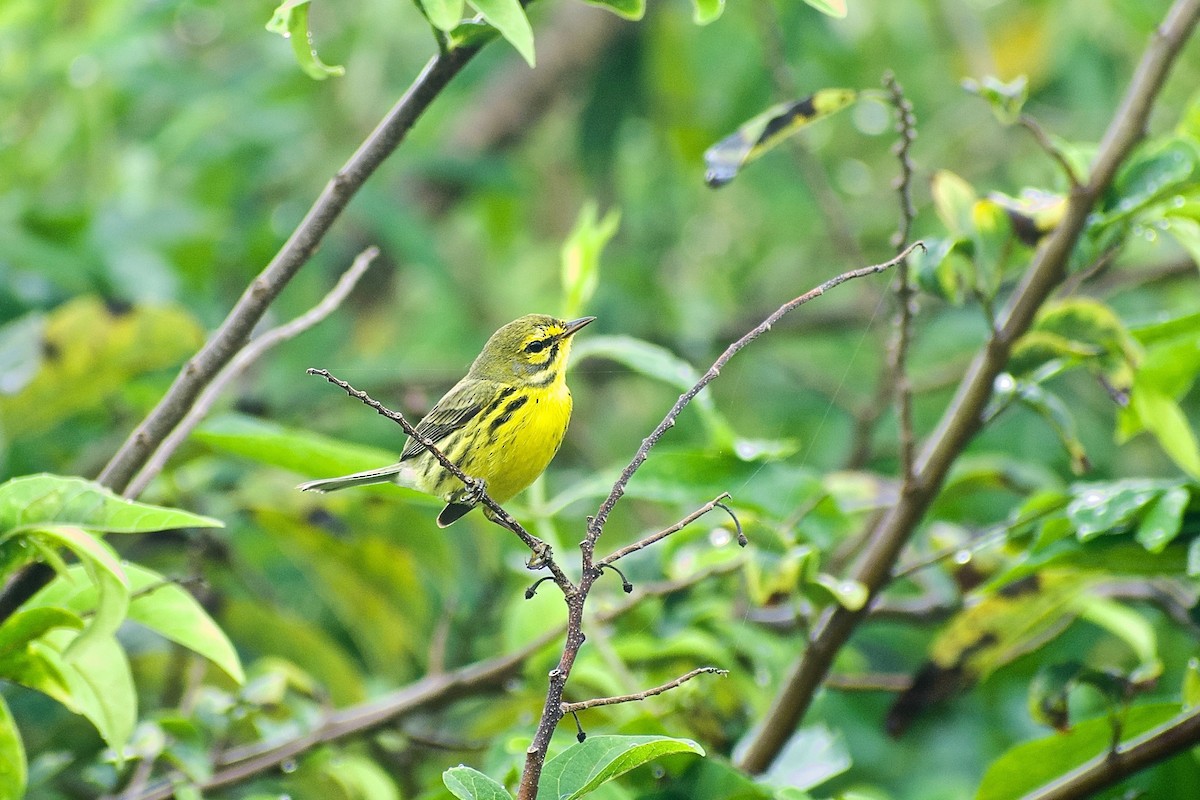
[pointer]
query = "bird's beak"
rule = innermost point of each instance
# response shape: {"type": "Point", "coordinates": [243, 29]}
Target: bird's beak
{"type": "Point", "coordinates": [574, 326]}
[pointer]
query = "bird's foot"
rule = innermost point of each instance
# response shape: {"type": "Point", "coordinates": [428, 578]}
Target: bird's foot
{"type": "Point", "coordinates": [476, 488]}
{"type": "Point", "coordinates": [541, 555]}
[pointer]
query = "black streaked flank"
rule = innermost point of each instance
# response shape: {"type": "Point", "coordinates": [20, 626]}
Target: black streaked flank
{"type": "Point", "coordinates": [509, 410]}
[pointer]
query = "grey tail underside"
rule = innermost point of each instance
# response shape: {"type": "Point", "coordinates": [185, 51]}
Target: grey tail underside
{"type": "Point", "coordinates": [452, 513]}
{"type": "Point", "coordinates": [382, 475]}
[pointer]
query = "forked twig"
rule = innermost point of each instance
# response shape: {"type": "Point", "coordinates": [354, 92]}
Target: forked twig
{"type": "Point", "coordinates": [583, 705]}
{"type": "Point", "coordinates": [665, 532]}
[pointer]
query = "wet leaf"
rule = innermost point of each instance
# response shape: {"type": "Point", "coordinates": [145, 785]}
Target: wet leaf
{"type": "Point", "coordinates": [290, 21]}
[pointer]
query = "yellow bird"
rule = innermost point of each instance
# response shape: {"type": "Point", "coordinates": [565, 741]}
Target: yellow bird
{"type": "Point", "coordinates": [501, 424]}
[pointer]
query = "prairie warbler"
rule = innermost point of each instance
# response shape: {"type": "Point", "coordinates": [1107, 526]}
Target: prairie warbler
{"type": "Point", "coordinates": [501, 424]}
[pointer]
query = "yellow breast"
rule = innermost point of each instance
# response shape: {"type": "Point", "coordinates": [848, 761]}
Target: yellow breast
{"type": "Point", "coordinates": [524, 447]}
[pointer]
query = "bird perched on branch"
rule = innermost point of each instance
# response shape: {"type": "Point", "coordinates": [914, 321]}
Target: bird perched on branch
{"type": "Point", "coordinates": [501, 424]}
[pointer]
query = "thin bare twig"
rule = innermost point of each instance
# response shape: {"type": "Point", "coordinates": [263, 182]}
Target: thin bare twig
{"type": "Point", "coordinates": [1051, 149]}
{"type": "Point", "coordinates": [665, 532]}
{"type": "Point", "coordinates": [583, 705]}
{"type": "Point", "coordinates": [962, 420]}
{"type": "Point", "coordinates": [541, 551]}
{"type": "Point", "coordinates": [552, 712]}
{"type": "Point", "coordinates": [253, 350]}
{"type": "Point", "coordinates": [596, 523]}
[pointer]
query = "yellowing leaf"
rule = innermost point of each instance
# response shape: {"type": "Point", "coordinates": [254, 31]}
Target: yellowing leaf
{"type": "Point", "coordinates": [89, 352]}
{"type": "Point", "coordinates": [727, 157]}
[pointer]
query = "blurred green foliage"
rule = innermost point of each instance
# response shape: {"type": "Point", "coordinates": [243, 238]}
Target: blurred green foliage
{"type": "Point", "coordinates": [154, 156]}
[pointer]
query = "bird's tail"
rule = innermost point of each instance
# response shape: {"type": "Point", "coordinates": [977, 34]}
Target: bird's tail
{"type": "Point", "coordinates": [381, 475]}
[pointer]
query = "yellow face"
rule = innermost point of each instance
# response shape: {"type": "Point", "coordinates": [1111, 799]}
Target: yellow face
{"type": "Point", "coordinates": [532, 349]}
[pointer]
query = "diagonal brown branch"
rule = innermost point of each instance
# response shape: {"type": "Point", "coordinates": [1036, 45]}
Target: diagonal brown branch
{"type": "Point", "coordinates": [962, 418]}
{"type": "Point", "coordinates": [294, 254]}
{"type": "Point", "coordinates": [1109, 768]}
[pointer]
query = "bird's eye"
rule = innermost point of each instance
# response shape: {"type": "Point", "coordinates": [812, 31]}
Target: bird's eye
{"type": "Point", "coordinates": [535, 347]}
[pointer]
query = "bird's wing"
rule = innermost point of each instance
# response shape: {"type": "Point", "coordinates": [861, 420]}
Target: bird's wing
{"type": "Point", "coordinates": [458, 407]}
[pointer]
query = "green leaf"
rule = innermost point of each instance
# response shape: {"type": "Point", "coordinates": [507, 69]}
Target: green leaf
{"type": "Point", "coordinates": [508, 17]}
{"type": "Point", "coordinates": [471, 33]}
{"type": "Point", "coordinates": [1163, 520]}
{"type": "Point", "coordinates": [359, 777]}
{"type": "Point", "coordinates": [1107, 507]}
{"type": "Point", "coordinates": [39, 667]}
{"type": "Point", "coordinates": [1006, 99]}
{"type": "Point", "coordinates": [1158, 168]}
{"type": "Point", "coordinates": [1128, 626]}
{"type": "Point", "coordinates": [102, 567]}
{"type": "Point", "coordinates": [1030, 765]}
{"type": "Point", "coordinates": [991, 237]}
{"type": "Point", "coordinates": [1187, 233]}
{"type": "Point", "coordinates": [582, 767]}
{"type": "Point", "coordinates": [169, 610]}
{"type": "Point", "coordinates": [954, 200]}
{"type": "Point", "coordinates": [581, 257]}
{"type": "Point", "coordinates": [51, 499]}
{"type": "Point", "coordinates": [13, 768]}
{"type": "Point", "coordinates": [849, 594]}
{"type": "Point", "coordinates": [1191, 682]}
{"type": "Point", "coordinates": [1185, 327]}
{"type": "Point", "coordinates": [1160, 414]}
{"type": "Point", "coordinates": [834, 8]}
{"type": "Point", "coordinates": [444, 15]}
{"type": "Point", "coordinates": [101, 684]}
{"type": "Point", "coordinates": [293, 449]}
{"type": "Point", "coordinates": [1037, 348]}
{"type": "Point", "coordinates": [943, 269]}
{"type": "Point", "coordinates": [471, 784]}
{"type": "Point", "coordinates": [1193, 558]}
{"type": "Point", "coordinates": [628, 9]}
{"type": "Point", "coordinates": [290, 21]}
{"type": "Point", "coordinates": [725, 159]}
{"type": "Point", "coordinates": [1091, 323]}
{"type": "Point", "coordinates": [811, 756]}
{"type": "Point", "coordinates": [706, 11]}
{"type": "Point", "coordinates": [164, 607]}
{"type": "Point", "coordinates": [28, 624]}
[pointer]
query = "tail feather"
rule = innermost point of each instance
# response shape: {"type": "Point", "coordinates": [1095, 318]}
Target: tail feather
{"type": "Point", "coordinates": [381, 475]}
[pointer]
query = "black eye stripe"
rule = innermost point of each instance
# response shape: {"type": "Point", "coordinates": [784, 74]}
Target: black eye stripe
{"type": "Point", "coordinates": [536, 346]}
